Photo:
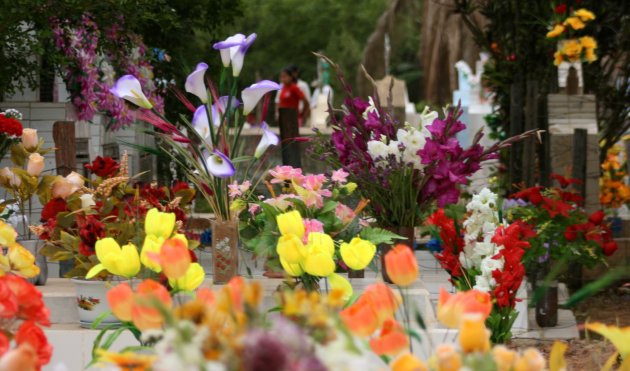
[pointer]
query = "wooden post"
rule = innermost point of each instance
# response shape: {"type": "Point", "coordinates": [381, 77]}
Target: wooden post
{"type": "Point", "coordinates": [544, 148]}
{"type": "Point", "coordinates": [531, 122]}
{"type": "Point", "coordinates": [580, 143]}
{"type": "Point", "coordinates": [516, 127]}
{"type": "Point", "coordinates": [65, 147]}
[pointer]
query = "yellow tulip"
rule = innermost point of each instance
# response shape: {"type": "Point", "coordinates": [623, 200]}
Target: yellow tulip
{"type": "Point", "coordinates": [473, 335]}
{"type": "Point", "coordinates": [181, 237]}
{"type": "Point", "coordinates": [323, 241]}
{"type": "Point", "coordinates": [338, 282]}
{"type": "Point", "coordinates": [557, 362]}
{"type": "Point", "coordinates": [556, 31]}
{"type": "Point", "coordinates": [121, 261]}
{"type": "Point", "coordinates": [358, 253]}
{"type": "Point", "coordinates": [22, 262]}
{"type": "Point", "coordinates": [293, 270]}
{"type": "Point", "coordinates": [620, 337]}
{"type": "Point", "coordinates": [291, 223]}
{"type": "Point", "coordinates": [150, 248]}
{"type": "Point", "coordinates": [408, 362]}
{"type": "Point", "coordinates": [447, 358]}
{"type": "Point", "coordinates": [585, 15]}
{"type": "Point", "coordinates": [191, 280]}
{"type": "Point", "coordinates": [7, 234]}
{"type": "Point", "coordinates": [291, 249]}
{"type": "Point", "coordinates": [531, 360]}
{"type": "Point", "coordinates": [319, 261]}
{"type": "Point", "coordinates": [159, 224]}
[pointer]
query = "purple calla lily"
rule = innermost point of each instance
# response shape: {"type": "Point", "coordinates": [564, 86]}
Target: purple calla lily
{"type": "Point", "coordinates": [239, 57]}
{"type": "Point", "coordinates": [200, 122]}
{"type": "Point", "coordinates": [228, 48]}
{"type": "Point", "coordinates": [220, 165]}
{"type": "Point", "coordinates": [195, 83]}
{"type": "Point", "coordinates": [252, 94]}
{"type": "Point", "coordinates": [269, 138]}
{"type": "Point", "coordinates": [128, 88]}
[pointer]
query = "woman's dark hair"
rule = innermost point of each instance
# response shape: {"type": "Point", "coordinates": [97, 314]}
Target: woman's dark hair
{"type": "Point", "coordinates": [291, 72]}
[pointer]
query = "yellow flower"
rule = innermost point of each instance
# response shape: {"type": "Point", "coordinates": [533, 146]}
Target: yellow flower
{"type": "Point", "coordinates": [358, 253]}
{"type": "Point", "coordinates": [408, 362]}
{"type": "Point", "coordinates": [575, 23]}
{"type": "Point", "coordinates": [504, 358]}
{"type": "Point", "coordinates": [22, 262]}
{"type": "Point", "coordinates": [159, 224]}
{"type": "Point", "coordinates": [338, 282]}
{"type": "Point", "coordinates": [350, 187]}
{"type": "Point", "coordinates": [590, 55]}
{"type": "Point", "coordinates": [291, 249]}
{"type": "Point", "coordinates": [447, 358]}
{"type": "Point", "coordinates": [293, 270]}
{"type": "Point", "coordinates": [151, 246]}
{"type": "Point", "coordinates": [558, 58]}
{"type": "Point", "coordinates": [7, 234]}
{"type": "Point", "coordinates": [531, 360]}
{"type": "Point", "coordinates": [126, 361]}
{"type": "Point", "coordinates": [588, 42]}
{"type": "Point", "coordinates": [319, 261]}
{"type": "Point", "coordinates": [556, 31]}
{"type": "Point", "coordinates": [473, 335]}
{"type": "Point", "coordinates": [291, 223]}
{"type": "Point", "coordinates": [191, 280]}
{"type": "Point", "coordinates": [585, 15]}
{"type": "Point", "coordinates": [322, 240]}
{"type": "Point", "coordinates": [620, 337]}
{"type": "Point", "coordinates": [120, 261]}
{"type": "Point", "coordinates": [572, 49]}
{"type": "Point", "coordinates": [556, 358]}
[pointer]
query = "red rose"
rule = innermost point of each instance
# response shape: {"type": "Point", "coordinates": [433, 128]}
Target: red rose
{"type": "Point", "coordinates": [597, 217]}
{"type": "Point", "coordinates": [52, 208]}
{"type": "Point", "coordinates": [561, 9]}
{"type": "Point", "coordinates": [30, 303]}
{"type": "Point", "coordinates": [609, 248]}
{"type": "Point", "coordinates": [103, 166]}
{"type": "Point", "coordinates": [90, 230]}
{"type": "Point", "coordinates": [31, 334]}
{"type": "Point", "coordinates": [10, 126]}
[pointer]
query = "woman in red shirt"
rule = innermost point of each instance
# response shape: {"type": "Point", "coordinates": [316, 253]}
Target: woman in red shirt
{"type": "Point", "coordinates": [287, 113]}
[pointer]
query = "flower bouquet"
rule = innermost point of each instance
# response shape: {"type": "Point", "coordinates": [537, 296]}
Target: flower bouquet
{"type": "Point", "coordinates": [570, 47]}
{"type": "Point", "coordinates": [614, 192]}
{"type": "Point", "coordinates": [317, 197]}
{"type": "Point", "coordinates": [209, 148]}
{"type": "Point", "coordinates": [482, 251]}
{"type": "Point", "coordinates": [77, 214]}
{"type": "Point", "coordinates": [10, 130]}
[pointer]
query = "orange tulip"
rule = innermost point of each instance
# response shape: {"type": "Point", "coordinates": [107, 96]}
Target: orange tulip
{"type": "Point", "coordinates": [401, 265]}
{"type": "Point", "coordinates": [451, 308]}
{"type": "Point", "coordinates": [174, 258]}
{"type": "Point", "coordinates": [206, 296]}
{"type": "Point", "coordinates": [383, 300]}
{"type": "Point", "coordinates": [408, 362]}
{"type": "Point", "coordinates": [361, 318]}
{"type": "Point", "coordinates": [235, 289]}
{"type": "Point", "coordinates": [473, 335]}
{"type": "Point", "coordinates": [448, 359]}
{"type": "Point", "coordinates": [120, 299]}
{"type": "Point", "coordinates": [144, 312]}
{"type": "Point", "coordinates": [392, 339]}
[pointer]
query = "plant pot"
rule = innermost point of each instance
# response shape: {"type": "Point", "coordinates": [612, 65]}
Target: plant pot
{"type": "Point", "coordinates": [34, 246]}
{"type": "Point", "coordinates": [92, 301]}
{"type": "Point", "coordinates": [224, 250]}
{"type": "Point", "coordinates": [547, 305]}
{"type": "Point", "coordinates": [409, 233]}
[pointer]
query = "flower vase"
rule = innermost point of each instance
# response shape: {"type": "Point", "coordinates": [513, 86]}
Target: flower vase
{"type": "Point", "coordinates": [92, 301]}
{"type": "Point", "coordinates": [224, 250]}
{"type": "Point", "coordinates": [34, 247]}
{"type": "Point", "coordinates": [408, 233]}
{"type": "Point", "coordinates": [547, 305]}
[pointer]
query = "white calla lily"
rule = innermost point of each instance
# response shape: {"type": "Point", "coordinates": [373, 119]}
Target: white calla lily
{"type": "Point", "coordinates": [220, 165]}
{"type": "Point", "coordinates": [269, 138]}
{"type": "Point", "coordinates": [228, 48]}
{"type": "Point", "coordinates": [238, 58]}
{"type": "Point", "coordinates": [128, 88]}
{"type": "Point", "coordinates": [252, 94]}
{"type": "Point", "coordinates": [195, 83]}
{"type": "Point", "coordinates": [200, 122]}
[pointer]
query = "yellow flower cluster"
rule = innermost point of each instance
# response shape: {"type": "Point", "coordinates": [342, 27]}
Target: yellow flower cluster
{"type": "Point", "coordinates": [17, 260]}
{"type": "Point", "coordinates": [576, 21]}
{"type": "Point", "coordinates": [575, 50]}
{"type": "Point", "coordinates": [613, 188]}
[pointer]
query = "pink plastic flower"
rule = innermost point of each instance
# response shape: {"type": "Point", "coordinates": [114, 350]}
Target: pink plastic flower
{"type": "Point", "coordinates": [344, 213]}
{"type": "Point", "coordinates": [282, 173]}
{"type": "Point", "coordinates": [312, 225]}
{"type": "Point", "coordinates": [339, 176]}
{"type": "Point", "coordinates": [237, 190]}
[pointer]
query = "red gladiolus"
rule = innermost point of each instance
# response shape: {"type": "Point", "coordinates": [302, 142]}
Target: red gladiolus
{"type": "Point", "coordinates": [564, 181]}
{"type": "Point", "coordinates": [597, 217]}
{"type": "Point", "coordinates": [103, 166]}
{"type": "Point", "coordinates": [31, 334]}
{"type": "Point", "coordinates": [532, 195]}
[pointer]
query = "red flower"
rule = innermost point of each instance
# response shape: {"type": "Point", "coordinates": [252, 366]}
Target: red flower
{"type": "Point", "coordinates": [10, 126]}
{"type": "Point", "coordinates": [179, 186]}
{"type": "Point", "coordinates": [103, 166]}
{"type": "Point", "coordinates": [31, 334]}
{"type": "Point", "coordinates": [574, 197]}
{"type": "Point", "coordinates": [609, 248]}
{"type": "Point", "coordinates": [555, 207]}
{"type": "Point", "coordinates": [90, 230]}
{"type": "Point", "coordinates": [52, 208]}
{"type": "Point", "coordinates": [565, 182]}
{"type": "Point", "coordinates": [4, 343]}
{"type": "Point", "coordinates": [597, 217]}
{"type": "Point", "coordinates": [30, 303]}
{"type": "Point", "coordinates": [571, 233]}
{"type": "Point", "coordinates": [452, 242]}
{"type": "Point", "coordinates": [561, 9]}
{"type": "Point", "coordinates": [8, 302]}
{"type": "Point", "coordinates": [532, 195]}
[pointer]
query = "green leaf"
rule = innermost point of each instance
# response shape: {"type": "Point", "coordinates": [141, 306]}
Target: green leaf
{"type": "Point", "coordinates": [242, 159]}
{"type": "Point", "coordinates": [379, 236]}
